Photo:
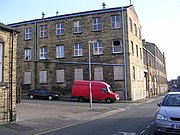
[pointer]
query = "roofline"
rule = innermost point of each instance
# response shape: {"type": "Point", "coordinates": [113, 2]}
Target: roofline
{"type": "Point", "coordinates": [70, 16]}
{"type": "Point", "coordinates": [7, 28]}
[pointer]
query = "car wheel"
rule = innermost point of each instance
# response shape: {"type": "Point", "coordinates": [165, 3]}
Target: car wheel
{"type": "Point", "coordinates": [50, 97]}
{"type": "Point", "coordinates": [31, 96]}
{"type": "Point", "coordinates": [81, 99]}
{"type": "Point", "coordinates": [108, 100]}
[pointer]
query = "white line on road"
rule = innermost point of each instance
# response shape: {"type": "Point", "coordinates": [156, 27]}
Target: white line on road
{"type": "Point", "coordinates": [148, 127]}
{"type": "Point", "coordinates": [126, 133]}
{"type": "Point", "coordinates": [142, 132]}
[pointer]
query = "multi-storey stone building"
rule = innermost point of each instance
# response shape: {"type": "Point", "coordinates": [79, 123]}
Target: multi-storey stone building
{"type": "Point", "coordinates": [8, 46]}
{"type": "Point", "coordinates": [53, 52]}
{"type": "Point", "coordinates": [155, 69]}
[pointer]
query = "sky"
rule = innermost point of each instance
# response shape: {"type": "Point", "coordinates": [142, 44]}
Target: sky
{"type": "Point", "coordinates": [160, 20]}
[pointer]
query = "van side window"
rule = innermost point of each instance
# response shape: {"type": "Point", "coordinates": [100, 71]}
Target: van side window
{"type": "Point", "coordinates": [104, 90]}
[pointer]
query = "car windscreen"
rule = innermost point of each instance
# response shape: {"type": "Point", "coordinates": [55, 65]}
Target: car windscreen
{"type": "Point", "coordinates": [171, 100]}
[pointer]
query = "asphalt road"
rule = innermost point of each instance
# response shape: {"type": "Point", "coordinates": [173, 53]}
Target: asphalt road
{"type": "Point", "coordinates": [135, 120]}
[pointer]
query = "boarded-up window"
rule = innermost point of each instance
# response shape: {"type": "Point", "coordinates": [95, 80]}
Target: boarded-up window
{"type": "Point", "coordinates": [43, 77]}
{"type": "Point", "coordinates": [27, 78]}
{"type": "Point", "coordinates": [60, 76]}
{"type": "Point", "coordinates": [78, 74]}
{"type": "Point", "coordinates": [118, 73]}
{"type": "Point", "coordinates": [98, 73]}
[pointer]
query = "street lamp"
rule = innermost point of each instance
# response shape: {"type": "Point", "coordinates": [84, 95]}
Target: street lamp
{"type": "Point", "coordinates": [90, 87]}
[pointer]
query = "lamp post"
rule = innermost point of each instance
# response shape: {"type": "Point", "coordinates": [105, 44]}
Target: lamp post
{"type": "Point", "coordinates": [90, 87]}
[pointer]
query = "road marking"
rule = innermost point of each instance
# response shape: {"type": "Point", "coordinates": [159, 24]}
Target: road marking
{"type": "Point", "coordinates": [148, 127]}
{"type": "Point", "coordinates": [143, 132]}
{"type": "Point", "coordinates": [82, 122]}
{"type": "Point", "coordinates": [126, 133]}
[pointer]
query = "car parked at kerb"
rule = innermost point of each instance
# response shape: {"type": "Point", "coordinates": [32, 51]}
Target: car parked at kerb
{"type": "Point", "coordinates": [43, 94]}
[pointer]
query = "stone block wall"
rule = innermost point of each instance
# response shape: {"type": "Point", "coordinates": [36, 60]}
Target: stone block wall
{"type": "Point", "coordinates": [8, 87]}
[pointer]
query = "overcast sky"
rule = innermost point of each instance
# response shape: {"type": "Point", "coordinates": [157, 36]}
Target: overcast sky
{"type": "Point", "coordinates": [160, 20]}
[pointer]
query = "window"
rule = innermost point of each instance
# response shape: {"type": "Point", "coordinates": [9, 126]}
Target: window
{"type": "Point", "coordinates": [134, 73]}
{"type": "Point", "coordinates": [115, 21]}
{"type": "Point", "coordinates": [78, 27]}
{"type": "Point", "coordinates": [137, 54]}
{"type": "Point", "coordinates": [78, 49]}
{"type": "Point", "coordinates": [28, 33]}
{"type": "Point", "coordinates": [27, 55]}
{"type": "Point", "coordinates": [43, 77]}
{"type": "Point", "coordinates": [131, 25]}
{"type": "Point", "coordinates": [117, 46]}
{"type": "Point", "coordinates": [98, 73]}
{"type": "Point", "coordinates": [135, 29]}
{"type": "Point", "coordinates": [43, 31]}
{"type": "Point", "coordinates": [27, 77]}
{"type": "Point", "coordinates": [59, 76]}
{"type": "Point", "coordinates": [60, 29]}
{"type": "Point", "coordinates": [97, 24]}
{"type": "Point", "coordinates": [78, 74]}
{"type": "Point", "coordinates": [59, 51]}
{"type": "Point", "coordinates": [132, 46]}
{"type": "Point", "coordinates": [97, 48]}
{"type": "Point", "coordinates": [43, 53]}
{"type": "Point", "coordinates": [140, 51]}
{"type": "Point", "coordinates": [118, 73]}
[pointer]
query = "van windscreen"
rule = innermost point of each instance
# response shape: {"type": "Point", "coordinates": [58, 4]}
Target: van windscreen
{"type": "Point", "coordinates": [110, 89]}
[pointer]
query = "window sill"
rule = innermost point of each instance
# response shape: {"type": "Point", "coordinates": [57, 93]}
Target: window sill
{"type": "Point", "coordinates": [77, 56]}
{"type": "Point", "coordinates": [60, 58]}
{"type": "Point", "coordinates": [77, 33]}
{"type": "Point", "coordinates": [60, 35]}
{"type": "Point", "coordinates": [97, 30]}
{"type": "Point", "coordinates": [117, 53]}
{"type": "Point", "coordinates": [28, 39]}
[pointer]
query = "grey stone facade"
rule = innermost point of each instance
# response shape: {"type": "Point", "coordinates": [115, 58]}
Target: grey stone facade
{"type": "Point", "coordinates": [43, 69]}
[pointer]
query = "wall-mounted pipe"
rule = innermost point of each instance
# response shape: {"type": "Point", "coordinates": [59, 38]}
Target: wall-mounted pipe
{"type": "Point", "coordinates": [125, 62]}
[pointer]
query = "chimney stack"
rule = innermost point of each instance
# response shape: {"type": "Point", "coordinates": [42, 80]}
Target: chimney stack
{"type": "Point", "coordinates": [104, 5]}
{"type": "Point", "coordinates": [57, 13]}
{"type": "Point", "coordinates": [43, 14]}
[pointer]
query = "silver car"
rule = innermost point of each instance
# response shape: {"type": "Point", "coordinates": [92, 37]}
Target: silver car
{"type": "Point", "coordinates": [168, 114]}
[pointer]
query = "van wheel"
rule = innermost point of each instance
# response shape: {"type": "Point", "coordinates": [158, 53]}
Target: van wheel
{"type": "Point", "coordinates": [108, 100]}
{"type": "Point", "coordinates": [81, 99]}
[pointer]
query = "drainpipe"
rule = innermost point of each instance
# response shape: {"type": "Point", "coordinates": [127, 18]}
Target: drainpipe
{"type": "Point", "coordinates": [35, 55]}
{"type": "Point", "coordinates": [124, 46]}
{"type": "Point", "coordinates": [11, 80]}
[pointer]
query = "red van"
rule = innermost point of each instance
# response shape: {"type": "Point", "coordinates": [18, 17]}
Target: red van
{"type": "Point", "coordinates": [100, 91]}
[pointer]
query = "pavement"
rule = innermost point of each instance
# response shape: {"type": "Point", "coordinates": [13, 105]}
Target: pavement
{"type": "Point", "coordinates": [37, 117]}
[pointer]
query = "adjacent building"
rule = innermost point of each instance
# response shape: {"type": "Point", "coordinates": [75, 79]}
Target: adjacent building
{"type": "Point", "coordinates": [8, 47]}
{"type": "Point", "coordinates": [155, 69]}
{"type": "Point", "coordinates": [53, 52]}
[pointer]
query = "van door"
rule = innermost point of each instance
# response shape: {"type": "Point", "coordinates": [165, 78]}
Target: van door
{"type": "Point", "coordinates": [104, 93]}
